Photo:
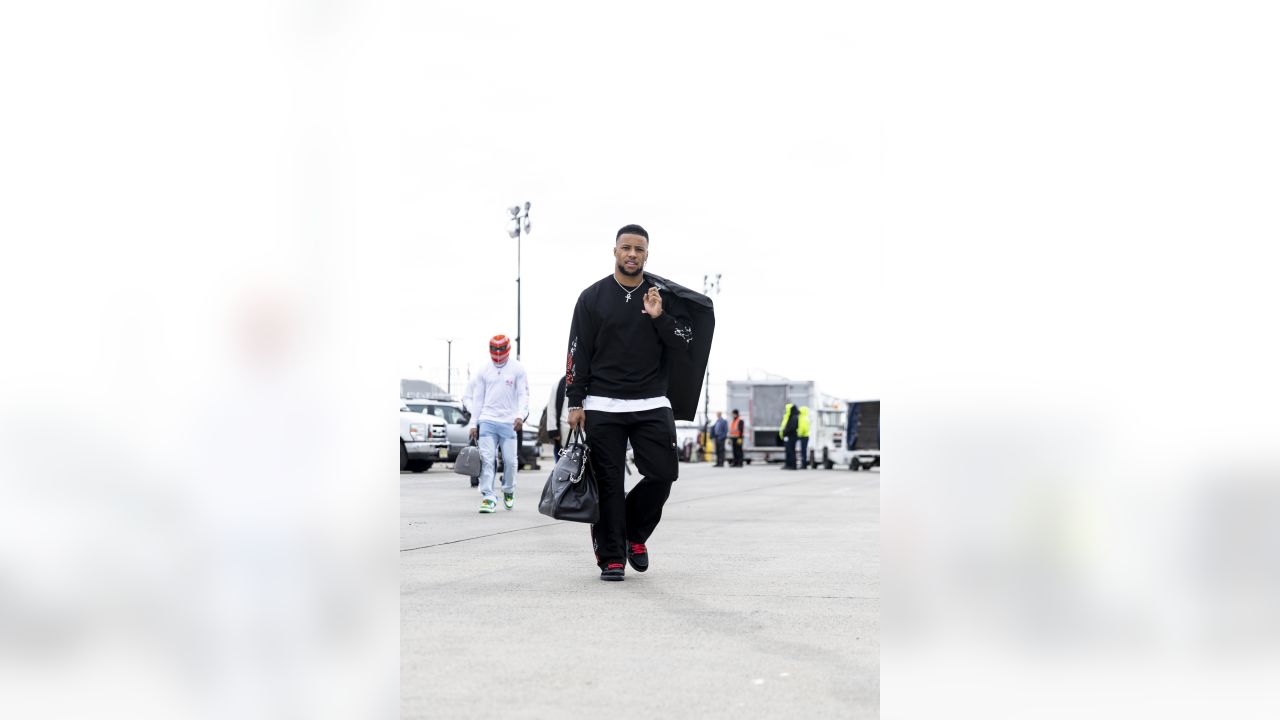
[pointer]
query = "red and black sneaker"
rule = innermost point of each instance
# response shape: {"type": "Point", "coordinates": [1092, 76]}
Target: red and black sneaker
{"type": "Point", "coordinates": [612, 571]}
{"type": "Point", "coordinates": [638, 556]}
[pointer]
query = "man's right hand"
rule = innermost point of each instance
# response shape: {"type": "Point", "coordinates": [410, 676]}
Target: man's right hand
{"type": "Point", "coordinates": [577, 419]}
{"type": "Point", "coordinates": [475, 433]}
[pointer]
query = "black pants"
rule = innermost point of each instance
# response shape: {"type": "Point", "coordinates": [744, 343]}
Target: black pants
{"type": "Point", "coordinates": [719, 452]}
{"type": "Point", "coordinates": [789, 461]}
{"type": "Point", "coordinates": [627, 517]}
{"type": "Point", "coordinates": [804, 452]}
{"type": "Point", "coordinates": [737, 451]}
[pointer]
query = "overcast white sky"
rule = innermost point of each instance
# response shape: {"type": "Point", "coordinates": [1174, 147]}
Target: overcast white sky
{"type": "Point", "coordinates": [735, 138]}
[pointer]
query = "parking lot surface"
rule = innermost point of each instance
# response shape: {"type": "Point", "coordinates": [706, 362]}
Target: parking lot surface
{"type": "Point", "coordinates": [762, 601]}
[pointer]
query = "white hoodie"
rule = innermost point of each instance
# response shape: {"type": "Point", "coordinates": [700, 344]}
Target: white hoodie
{"type": "Point", "coordinates": [561, 424]}
{"type": "Point", "coordinates": [498, 394]}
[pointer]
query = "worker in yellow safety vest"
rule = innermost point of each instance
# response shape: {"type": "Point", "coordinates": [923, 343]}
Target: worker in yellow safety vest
{"type": "Point", "coordinates": [802, 430]}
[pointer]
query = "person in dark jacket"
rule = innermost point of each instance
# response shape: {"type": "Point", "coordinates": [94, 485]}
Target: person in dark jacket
{"type": "Point", "coordinates": [719, 432]}
{"type": "Point", "coordinates": [625, 335]}
{"type": "Point", "coordinates": [789, 432]}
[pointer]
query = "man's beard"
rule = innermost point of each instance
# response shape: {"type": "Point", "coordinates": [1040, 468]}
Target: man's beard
{"type": "Point", "coordinates": [623, 269]}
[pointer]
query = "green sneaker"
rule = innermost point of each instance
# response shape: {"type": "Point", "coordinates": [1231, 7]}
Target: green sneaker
{"type": "Point", "coordinates": [509, 499]}
{"type": "Point", "coordinates": [488, 506]}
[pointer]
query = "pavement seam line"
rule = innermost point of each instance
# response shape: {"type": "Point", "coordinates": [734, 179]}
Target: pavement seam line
{"type": "Point", "coordinates": [479, 537]}
{"type": "Point", "coordinates": [561, 522]}
{"type": "Point", "coordinates": [732, 595]}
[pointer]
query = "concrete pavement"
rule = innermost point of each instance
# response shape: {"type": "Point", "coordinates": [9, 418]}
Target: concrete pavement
{"type": "Point", "coordinates": [762, 601]}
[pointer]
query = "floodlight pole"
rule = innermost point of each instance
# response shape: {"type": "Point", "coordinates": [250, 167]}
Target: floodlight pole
{"type": "Point", "coordinates": [522, 228]}
{"type": "Point", "coordinates": [709, 287]}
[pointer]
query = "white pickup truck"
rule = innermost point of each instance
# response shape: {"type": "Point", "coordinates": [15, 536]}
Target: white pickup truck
{"type": "Point", "coordinates": [424, 439]}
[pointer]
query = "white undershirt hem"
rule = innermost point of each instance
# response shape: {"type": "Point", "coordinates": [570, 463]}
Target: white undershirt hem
{"type": "Point", "coordinates": [616, 405]}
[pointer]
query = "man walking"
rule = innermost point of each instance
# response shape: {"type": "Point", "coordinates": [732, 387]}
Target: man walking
{"type": "Point", "coordinates": [719, 432]}
{"type": "Point", "coordinates": [499, 402]}
{"type": "Point", "coordinates": [790, 425]}
{"type": "Point", "coordinates": [737, 430]}
{"type": "Point", "coordinates": [623, 359]}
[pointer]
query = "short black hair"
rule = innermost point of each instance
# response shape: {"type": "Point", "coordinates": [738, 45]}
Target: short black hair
{"type": "Point", "coordinates": [735, 411]}
{"type": "Point", "coordinates": [632, 230]}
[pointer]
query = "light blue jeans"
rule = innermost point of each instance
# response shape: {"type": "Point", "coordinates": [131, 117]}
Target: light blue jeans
{"type": "Point", "coordinates": [491, 435]}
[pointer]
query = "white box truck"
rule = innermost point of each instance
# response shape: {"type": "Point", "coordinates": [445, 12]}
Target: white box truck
{"type": "Point", "coordinates": [761, 404]}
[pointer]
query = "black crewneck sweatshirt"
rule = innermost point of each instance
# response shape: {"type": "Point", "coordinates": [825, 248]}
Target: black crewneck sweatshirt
{"type": "Point", "coordinates": [616, 349]}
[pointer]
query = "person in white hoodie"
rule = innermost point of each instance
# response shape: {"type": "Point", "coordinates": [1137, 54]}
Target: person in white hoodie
{"type": "Point", "coordinates": [558, 417]}
{"type": "Point", "coordinates": [498, 398]}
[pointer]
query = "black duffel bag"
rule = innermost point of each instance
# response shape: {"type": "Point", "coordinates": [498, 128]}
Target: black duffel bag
{"type": "Point", "coordinates": [570, 493]}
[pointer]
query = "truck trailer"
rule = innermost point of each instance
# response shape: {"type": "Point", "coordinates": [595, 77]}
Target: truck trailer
{"type": "Point", "coordinates": [761, 404]}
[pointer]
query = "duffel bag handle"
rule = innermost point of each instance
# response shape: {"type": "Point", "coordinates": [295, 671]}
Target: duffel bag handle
{"type": "Point", "coordinates": [578, 437]}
